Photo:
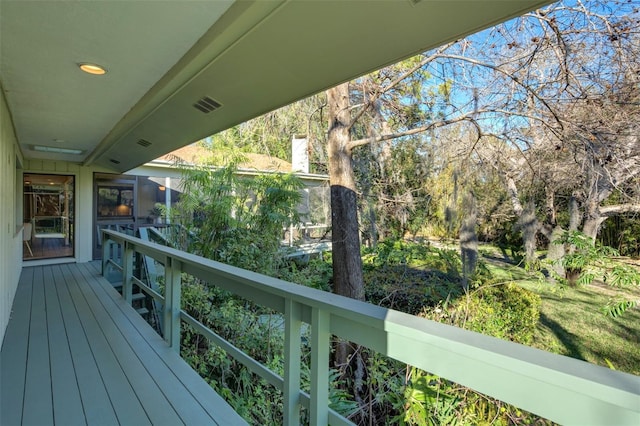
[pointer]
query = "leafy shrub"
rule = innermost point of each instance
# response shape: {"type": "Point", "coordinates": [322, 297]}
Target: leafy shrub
{"type": "Point", "coordinates": [505, 311]}
{"type": "Point", "coordinates": [589, 260]}
{"type": "Point", "coordinates": [585, 260]}
{"type": "Point", "coordinates": [316, 274]}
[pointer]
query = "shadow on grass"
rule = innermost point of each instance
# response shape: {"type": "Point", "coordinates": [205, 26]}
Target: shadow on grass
{"type": "Point", "coordinates": [568, 340]}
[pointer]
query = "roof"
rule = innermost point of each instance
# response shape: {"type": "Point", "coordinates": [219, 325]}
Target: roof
{"type": "Point", "coordinates": [195, 154]}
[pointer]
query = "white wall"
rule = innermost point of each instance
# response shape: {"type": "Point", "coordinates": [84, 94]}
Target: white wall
{"type": "Point", "coordinates": [10, 214]}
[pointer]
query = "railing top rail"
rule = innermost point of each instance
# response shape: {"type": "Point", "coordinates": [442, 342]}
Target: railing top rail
{"type": "Point", "coordinates": [557, 387]}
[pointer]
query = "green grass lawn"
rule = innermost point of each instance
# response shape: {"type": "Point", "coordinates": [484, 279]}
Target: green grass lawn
{"type": "Point", "coordinates": [572, 323]}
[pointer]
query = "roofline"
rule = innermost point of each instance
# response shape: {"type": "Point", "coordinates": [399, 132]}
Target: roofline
{"type": "Point", "coordinates": [242, 171]}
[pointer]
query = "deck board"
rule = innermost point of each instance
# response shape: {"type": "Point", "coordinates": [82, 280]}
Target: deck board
{"type": "Point", "coordinates": [96, 404]}
{"type": "Point", "coordinates": [154, 404]}
{"type": "Point", "coordinates": [37, 387]}
{"type": "Point", "coordinates": [176, 393]}
{"type": "Point", "coordinates": [75, 353]}
{"type": "Point", "coordinates": [13, 364]}
{"type": "Point", "coordinates": [67, 404]}
{"type": "Point", "coordinates": [198, 389]}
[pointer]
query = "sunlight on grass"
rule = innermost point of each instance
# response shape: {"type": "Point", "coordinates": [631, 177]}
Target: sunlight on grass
{"type": "Point", "coordinates": [572, 324]}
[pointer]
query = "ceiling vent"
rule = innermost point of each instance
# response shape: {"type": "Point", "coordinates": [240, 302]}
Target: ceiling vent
{"type": "Point", "coordinates": [114, 161]}
{"type": "Point", "coordinates": [144, 143]}
{"type": "Point", "coordinates": [207, 105]}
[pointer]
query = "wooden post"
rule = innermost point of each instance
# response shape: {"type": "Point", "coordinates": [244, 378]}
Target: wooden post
{"type": "Point", "coordinates": [172, 284]}
{"type": "Point", "coordinates": [319, 367]}
{"type": "Point", "coordinates": [292, 354]}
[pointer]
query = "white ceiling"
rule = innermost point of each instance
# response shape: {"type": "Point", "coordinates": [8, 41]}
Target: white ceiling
{"type": "Point", "coordinates": [163, 56]}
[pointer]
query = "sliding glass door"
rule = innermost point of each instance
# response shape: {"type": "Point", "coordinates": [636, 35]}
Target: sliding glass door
{"type": "Point", "coordinates": [48, 216]}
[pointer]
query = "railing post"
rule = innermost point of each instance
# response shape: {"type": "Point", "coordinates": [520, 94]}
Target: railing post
{"type": "Point", "coordinates": [319, 367]}
{"type": "Point", "coordinates": [172, 283]}
{"type": "Point", "coordinates": [292, 354]}
{"type": "Point", "coordinates": [127, 271]}
{"type": "Point", "coordinates": [106, 242]}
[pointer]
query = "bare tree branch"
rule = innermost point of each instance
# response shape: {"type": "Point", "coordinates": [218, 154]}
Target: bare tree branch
{"type": "Point", "coordinates": [609, 211]}
{"type": "Point", "coordinates": [416, 130]}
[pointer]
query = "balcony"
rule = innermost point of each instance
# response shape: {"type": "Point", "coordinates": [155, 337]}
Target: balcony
{"type": "Point", "coordinates": [93, 335]}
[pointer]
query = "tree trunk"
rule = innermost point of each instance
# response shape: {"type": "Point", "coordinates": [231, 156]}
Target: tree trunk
{"type": "Point", "coordinates": [575, 215]}
{"type": "Point", "coordinates": [556, 252]}
{"type": "Point", "coordinates": [593, 219]}
{"type": "Point", "coordinates": [347, 263]}
{"type": "Point", "coordinates": [529, 225]}
{"type": "Point", "coordinates": [469, 239]}
{"type": "Point", "coordinates": [345, 235]}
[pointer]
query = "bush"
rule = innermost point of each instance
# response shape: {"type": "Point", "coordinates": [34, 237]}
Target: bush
{"type": "Point", "coordinates": [505, 311]}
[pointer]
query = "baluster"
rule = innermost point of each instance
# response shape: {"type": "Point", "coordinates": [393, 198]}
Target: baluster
{"type": "Point", "coordinates": [172, 283]}
{"type": "Point", "coordinates": [319, 367]}
{"type": "Point", "coordinates": [127, 271]}
{"type": "Point", "coordinates": [106, 252]}
{"type": "Point", "coordinates": [292, 355]}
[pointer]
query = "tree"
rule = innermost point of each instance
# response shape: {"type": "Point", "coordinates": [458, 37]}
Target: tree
{"type": "Point", "coordinates": [233, 219]}
{"type": "Point", "coordinates": [570, 117]}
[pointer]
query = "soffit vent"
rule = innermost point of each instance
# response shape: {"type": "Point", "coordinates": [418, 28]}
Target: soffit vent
{"type": "Point", "coordinates": [144, 143]}
{"type": "Point", "coordinates": [207, 105]}
{"type": "Point", "coordinates": [114, 161]}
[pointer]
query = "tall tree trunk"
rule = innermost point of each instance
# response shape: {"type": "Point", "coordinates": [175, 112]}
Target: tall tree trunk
{"type": "Point", "coordinates": [556, 252]}
{"type": "Point", "coordinates": [347, 264]}
{"type": "Point", "coordinates": [529, 226]}
{"type": "Point", "coordinates": [469, 239]}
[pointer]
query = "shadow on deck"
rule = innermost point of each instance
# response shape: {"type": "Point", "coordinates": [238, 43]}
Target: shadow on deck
{"type": "Point", "coordinates": [75, 353]}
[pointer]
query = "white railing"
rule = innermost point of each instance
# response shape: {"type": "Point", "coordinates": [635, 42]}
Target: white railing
{"type": "Point", "coordinates": [562, 389]}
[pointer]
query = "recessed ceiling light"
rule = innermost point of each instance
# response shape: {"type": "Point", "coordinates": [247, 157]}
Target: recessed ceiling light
{"type": "Point", "coordinates": [94, 69]}
{"type": "Point", "coordinates": [56, 149]}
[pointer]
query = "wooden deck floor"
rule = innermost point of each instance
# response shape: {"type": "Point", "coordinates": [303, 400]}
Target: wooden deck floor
{"type": "Point", "coordinates": [74, 353]}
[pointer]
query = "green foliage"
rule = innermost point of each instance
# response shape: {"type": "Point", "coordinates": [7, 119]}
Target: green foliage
{"type": "Point", "coordinates": [236, 220]}
{"type": "Point", "coordinates": [505, 311]}
{"type": "Point", "coordinates": [392, 252]}
{"type": "Point", "coordinates": [584, 259]}
{"type": "Point", "coordinates": [428, 401]}
{"type": "Point", "coordinates": [589, 261]}
{"type": "Point", "coordinates": [316, 273]}
{"type": "Point", "coordinates": [245, 325]}
{"type": "Point", "coordinates": [271, 133]}
{"type": "Point", "coordinates": [404, 275]}
{"type": "Point", "coordinates": [622, 276]}
{"type": "Point", "coordinates": [407, 276]}
{"type": "Point", "coordinates": [615, 308]}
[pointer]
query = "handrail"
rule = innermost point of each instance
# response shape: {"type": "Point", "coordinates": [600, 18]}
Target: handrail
{"type": "Point", "coordinates": [556, 387]}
